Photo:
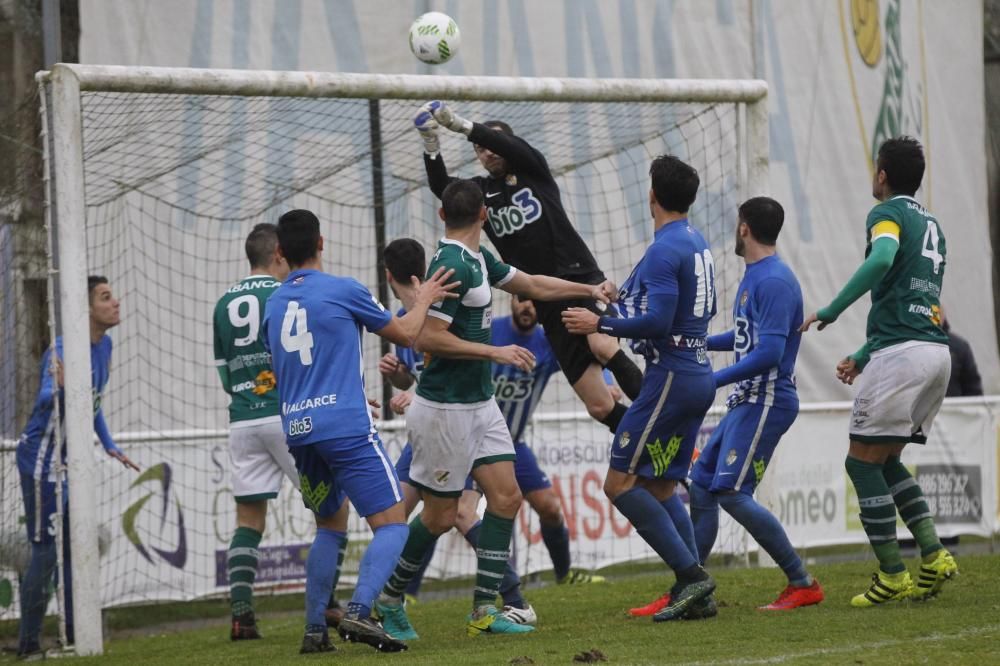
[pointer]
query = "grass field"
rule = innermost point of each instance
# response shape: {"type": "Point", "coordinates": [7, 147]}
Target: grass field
{"type": "Point", "coordinates": [962, 626]}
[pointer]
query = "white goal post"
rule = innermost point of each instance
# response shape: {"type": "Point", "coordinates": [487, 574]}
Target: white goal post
{"type": "Point", "coordinates": [66, 83]}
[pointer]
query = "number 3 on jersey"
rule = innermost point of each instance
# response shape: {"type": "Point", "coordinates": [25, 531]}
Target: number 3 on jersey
{"type": "Point", "coordinates": [300, 339]}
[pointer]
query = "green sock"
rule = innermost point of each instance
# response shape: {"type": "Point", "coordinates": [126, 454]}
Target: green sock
{"type": "Point", "coordinates": [491, 557]}
{"type": "Point", "coordinates": [336, 574]}
{"type": "Point", "coordinates": [909, 498]}
{"type": "Point", "coordinates": [417, 543]}
{"type": "Point", "coordinates": [242, 565]}
{"type": "Point", "coordinates": [878, 513]}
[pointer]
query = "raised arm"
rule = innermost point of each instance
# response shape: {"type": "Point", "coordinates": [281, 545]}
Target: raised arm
{"type": "Point", "coordinates": [437, 172]}
{"type": "Point", "coordinates": [437, 340]}
{"type": "Point", "coordinates": [547, 288]}
{"type": "Point", "coordinates": [404, 330]}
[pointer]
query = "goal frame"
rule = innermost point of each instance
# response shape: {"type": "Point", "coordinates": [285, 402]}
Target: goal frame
{"type": "Point", "coordinates": [68, 217]}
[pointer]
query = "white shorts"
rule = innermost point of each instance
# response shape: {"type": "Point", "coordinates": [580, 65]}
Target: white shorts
{"type": "Point", "coordinates": [260, 458]}
{"type": "Point", "coordinates": [450, 439]}
{"type": "Point", "coordinates": [900, 392]}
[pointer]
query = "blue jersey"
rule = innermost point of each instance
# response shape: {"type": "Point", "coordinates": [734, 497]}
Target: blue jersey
{"type": "Point", "coordinates": [37, 443]}
{"type": "Point", "coordinates": [413, 361]}
{"type": "Point", "coordinates": [677, 264]}
{"type": "Point", "coordinates": [313, 328]}
{"type": "Point", "coordinates": [518, 392]}
{"type": "Point", "coordinates": [768, 302]}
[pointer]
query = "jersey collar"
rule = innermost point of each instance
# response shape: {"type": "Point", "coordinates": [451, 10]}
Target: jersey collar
{"type": "Point", "coordinates": [452, 241]}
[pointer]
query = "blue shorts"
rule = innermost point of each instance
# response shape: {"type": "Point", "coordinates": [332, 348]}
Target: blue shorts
{"type": "Point", "coordinates": [403, 468]}
{"type": "Point", "coordinates": [656, 437]}
{"type": "Point", "coordinates": [357, 467]}
{"type": "Point", "coordinates": [40, 508]}
{"type": "Point", "coordinates": [739, 450]}
{"type": "Point", "coordinates": [529, 475]}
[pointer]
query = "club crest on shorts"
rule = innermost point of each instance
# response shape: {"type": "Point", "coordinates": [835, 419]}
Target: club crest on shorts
{"type": "Point", "coordinates": [623, 442]}
{"type": "Point", "coordinates": [441, 476]}
{"type": "Point", "coordinates": [743, 297]}
{"type": "Point", "coordinates": [731, 456]}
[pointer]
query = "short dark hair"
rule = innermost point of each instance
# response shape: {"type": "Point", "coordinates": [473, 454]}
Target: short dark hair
{"type": "Point", "coordinates": [298, 236]}
{"type": "Point", "coordinates": [500, 125]}
{"type": "Point", "coordinates": [404, 258]}
{"type": "Point", "coordinates": [92, 282]}
{"type": "Point", "coordinates": [260, 244]}
{"type": "Point", "coordinates": [902, 159]}
{"type": "Point", "coordinates": [461, 201]}
{"type": "Point", "coordinates": [764, 216]}
{"type": "Point", "coordinates": [675, 184]}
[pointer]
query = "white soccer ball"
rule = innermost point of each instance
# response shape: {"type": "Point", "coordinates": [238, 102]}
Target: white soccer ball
{"type": "Point", "coordinates": [434, 38]}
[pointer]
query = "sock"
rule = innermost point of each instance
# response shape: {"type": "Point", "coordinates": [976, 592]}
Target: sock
{"type": "Point", "coordinates": [376, 566]}
{"type": "Point", "coordinates": [242, 565]}
{"type": "Point", "coordinates": [320, 566]}
{"type": "Point", "coordinates": [413, 587]}
{"type": "Point", "coordinates": [704, 518]}
{"type": "Point", "coordinates": [614, 417]}
{"type": "Point", "coordinates": [768, 532]}
{"type": "Point", "coordinates": [909, 499]}
{"type": "Point", "coordinates": [491, 558]}
{"type": "Point", "coordinates": [341, 554]}
{"type": "Point", "coordinates": [878, 513]}
{"type": "Point", "coordinates": [510, 584]}
{"type": "Point", "coordinates": [627, 374]}
{"type": "Point", "coordinates": [418, 541]}
{"type": "Point", "coordinates": [556, 538]}
{"type": "Point", "coordinates": [655, 526]}
{"type": "Point", "coordinates": [682, 521]}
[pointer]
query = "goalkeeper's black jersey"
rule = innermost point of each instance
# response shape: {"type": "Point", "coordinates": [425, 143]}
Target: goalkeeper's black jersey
{"type": "Point", "coordinates": [525, 217]}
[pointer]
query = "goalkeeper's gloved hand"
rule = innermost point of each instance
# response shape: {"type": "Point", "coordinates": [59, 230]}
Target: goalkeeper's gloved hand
{"type": "Point", "coordinates": [447, 118]}
{"type": "Point", "coordinates": [428, 128]}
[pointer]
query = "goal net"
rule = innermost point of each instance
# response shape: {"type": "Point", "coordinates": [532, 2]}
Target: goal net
{"type": "Point", "coordinates": [177, 167]}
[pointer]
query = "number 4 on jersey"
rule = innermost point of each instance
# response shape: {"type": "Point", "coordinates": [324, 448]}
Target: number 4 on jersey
{"type": "Point", "coordinates": [930, 247]}
{"type": "Point", "coordinates": [300, 340]}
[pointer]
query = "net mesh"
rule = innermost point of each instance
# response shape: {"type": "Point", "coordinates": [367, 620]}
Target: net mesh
{"type": "Point", "coordinates": [173, 185]}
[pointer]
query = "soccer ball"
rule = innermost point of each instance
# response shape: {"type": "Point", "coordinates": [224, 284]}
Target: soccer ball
{"type": "Point", "coordinates": [434, 38]}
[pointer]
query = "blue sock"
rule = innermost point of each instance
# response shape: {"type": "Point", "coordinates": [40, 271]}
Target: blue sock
{"type": "Point", "coordinates": [377, 565]}
{"type": "Point", "coordinates": [33, 598]}
{"type": "Point", "coordinates": [321, 565]}
{"type": "Point", "coordinates": [654, 525]}
{"type": "Point", "coordinates": [413, 587]}
{"type": "Point", "coordinates": [510, 586]}
{"type": "Point", "coordinates": [767, 531]}
{"type": "Point", "coordinates": [556, 540]}
{"type": "Point", "coordinates": [682, 521]}
{"type": "Point", "coordinates": [705, 517]}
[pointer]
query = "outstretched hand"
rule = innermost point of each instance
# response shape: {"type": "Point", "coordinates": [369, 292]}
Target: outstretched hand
{"type": "Point", "coordinates": [812, 319]}
{"type": "Point", "coordinates": [425, 123]}
{"type": "Point", "coordinates": [847, 370]}
{"type": "Point", "coordinates": [123, 459]}
{"type": "Point", "coordinates": [514, 355]}
{"type": "Point", "coordinates": [606, 292]}
{"type": "Point", "coordinates": [580, 321]}
{"type": "Point", "coordinates": [448, 118]}
{"type": "Point", "coordinates": [436, 288]}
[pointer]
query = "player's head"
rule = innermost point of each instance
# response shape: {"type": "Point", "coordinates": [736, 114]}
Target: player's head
{"type": "Point", "coordinates": [674, 184]}
{"type": "Point", "coordinates": [493, 163]}
{"type": "Point", "coordinates": [899, 168]}
{"type": "Point", "coordinates": [299, 239]}
{"type": "Point", "coordinates": [404, 258]}
{"type": "Point", "coordinates": [105, 310]}
{"type": "Point", "coordinates": [523, 313]}
{"type": "Point", "coordinates": [262, 251]}
{"type": "Point", "coordinates": [462, 205]}
{"type": "Point", "coordinates": [760, 219]}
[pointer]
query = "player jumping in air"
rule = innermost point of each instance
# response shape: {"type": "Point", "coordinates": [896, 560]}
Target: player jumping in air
{"type": "Point", "coordinates": [666, 305]}
{"type": "Point", "coordinates": [257, 449]}
{"type": "Point", "coordinates": [762, 404]}
{"type": "Point", "coordinates": [313, 329]}
{"type": "Point", "coordinates": [527, 224]}
{"type": "Point", "coordinates": [904, 367]}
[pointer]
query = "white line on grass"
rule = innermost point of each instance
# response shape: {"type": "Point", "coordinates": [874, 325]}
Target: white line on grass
{"type": "Point", "coordinates": [781, 658]}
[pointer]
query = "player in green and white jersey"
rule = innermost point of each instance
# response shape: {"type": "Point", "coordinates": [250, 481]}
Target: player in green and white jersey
{"type": "Point", "coordinates": [454, 423]}
{"type": "Point", "coordinates": [906, 365]}
{"type": "Point", "coordinates": [257, 448]}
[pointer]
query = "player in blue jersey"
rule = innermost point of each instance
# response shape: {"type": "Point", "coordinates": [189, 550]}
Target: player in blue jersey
{"type": "Point", "coordinates": [38, 467]}
{"type": "Point", "coordinates": [666, 305]}
{"type": "Point", "coordinates": [517, 394]}
{"type": "Point", "coordinates": [313, 328]}
{"type": "Point", "coordinates": [762, 405]}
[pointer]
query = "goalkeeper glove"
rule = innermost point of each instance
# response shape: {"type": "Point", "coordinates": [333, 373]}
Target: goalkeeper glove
{"type": "Point", "coordinates": [428, 128]}
{"type": "Point", "coordinates": [446, 117]}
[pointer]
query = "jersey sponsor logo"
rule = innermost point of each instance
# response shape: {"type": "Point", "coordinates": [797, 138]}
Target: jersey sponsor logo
{"type": "Point", "coordinates": [933, 312]}
{"type": "Point", "coordinates": [301, 426]}
{"type": "Point", "coordinates": [242, 386]}
{"type": "Point", "coordinates": [264, 382]}
{"type": "Point", "coordinates": [490, 195]}
{"type": "Point", "coordinates": [327, 400]}
{"type": "Point", "coordinates": [513, 389]}
{"type": "Point", "coordinates": [511, 219]}
{"type": "Point", "coordinates": [248, 361]}
{"type": "Point", "coordinates": [926, 286]}
{"type": "Point", "coordinates": [253, 284]}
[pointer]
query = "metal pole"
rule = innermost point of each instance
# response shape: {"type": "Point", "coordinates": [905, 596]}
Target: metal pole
{"type": "Point", "coordinates": [51, 33]}
{"type": "Point", "coordinates": [378, 204]}
{"type": "Point", "coordinates": [79, 416]}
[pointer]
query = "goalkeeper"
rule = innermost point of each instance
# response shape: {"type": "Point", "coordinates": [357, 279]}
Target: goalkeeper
{"type": "Point", "coordinates": [527, 224]}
